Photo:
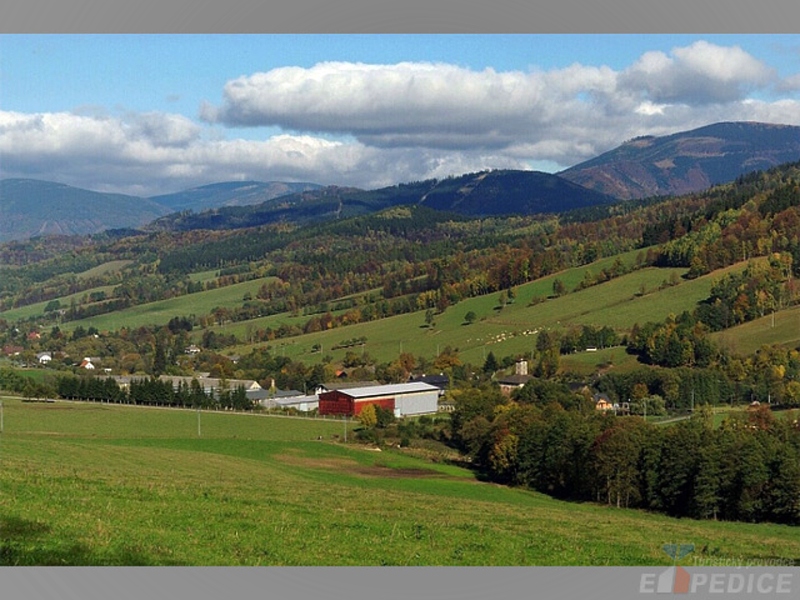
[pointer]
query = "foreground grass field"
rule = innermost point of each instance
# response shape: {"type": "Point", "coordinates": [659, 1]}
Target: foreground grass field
{"type": "Point", "coordinates": [87, 484]}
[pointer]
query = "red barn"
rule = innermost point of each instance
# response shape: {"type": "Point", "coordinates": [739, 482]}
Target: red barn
{"type": "Point", "coordinates": [402, 399]}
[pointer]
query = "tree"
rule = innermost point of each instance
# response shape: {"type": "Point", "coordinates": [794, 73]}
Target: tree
{"type": "Point", "coordinates": [368, 416]}
{"type": "Point", "coordinates": [559, 289]}
{"type": "Point", "coordinates": [159, 360]}
{"type": "Point", "coordinates": [470, 317]}
{"type": "Point", "coordinates": [615, 454]}
{"type": "Point", "coordinates": [429, 318]}
{"type": "Point", "coordinates": [490, 365]}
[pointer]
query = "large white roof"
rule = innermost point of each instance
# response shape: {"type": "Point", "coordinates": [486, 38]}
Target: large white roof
{"type": "Point", "coordinates": [395, 389]}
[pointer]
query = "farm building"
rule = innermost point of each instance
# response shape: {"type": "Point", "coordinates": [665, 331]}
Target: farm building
{"type": "Point", "coordinates": [275, 398]}
{"type": "Point", "coordinates": [509, 383]}
{"type": "Point", "coordinates": [403, 399]}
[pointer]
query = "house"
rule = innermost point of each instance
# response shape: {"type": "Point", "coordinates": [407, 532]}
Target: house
{"type": "Point", "coordinates": [212, 385]}
{"type": "Point", "coordinates": [440, 381]}
{"type": "Point", "coordinates": [403, 399]}
{"type": "Point", "coordinates": [209, 385]}
{"type": "Point", "coordinates": [44, 358]}
{"type": "Point", "coordinates": [602, 402]}
{"type": "Point", "coordinates": [87, 364]}
{"type": "Point", "coordinates": [519, 378]}
{"type": "Point", "coordinates": [192, 350]}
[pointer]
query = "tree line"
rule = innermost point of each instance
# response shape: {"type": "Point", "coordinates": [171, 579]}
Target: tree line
{"type": "Point", "coordinates": [746, 469]}
{"type": "Point", "coordinates": [152, 392]}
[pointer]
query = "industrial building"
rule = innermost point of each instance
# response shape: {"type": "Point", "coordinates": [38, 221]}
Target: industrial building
{"type": "Point", "coordinates": [403, 399]}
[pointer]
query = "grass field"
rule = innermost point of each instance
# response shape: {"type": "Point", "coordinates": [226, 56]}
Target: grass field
{"type": "Point", "coordinates": [159, 313]}
{"type": "Point", "coordinates": [88, 484]}
{"type": "Point", "coordinates": [782, 328]}
{"type": "Point", "coordinates": [37, 309]}
{"type": "Point", "coordinates": [618, 303]}
{"type": "Point", "coordinates": [109, 267]}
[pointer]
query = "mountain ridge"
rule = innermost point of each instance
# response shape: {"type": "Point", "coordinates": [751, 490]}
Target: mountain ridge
{"type": "Point", "coordinates": [645, 166]}
{"type": "Point", "coordinates": [687, 161]}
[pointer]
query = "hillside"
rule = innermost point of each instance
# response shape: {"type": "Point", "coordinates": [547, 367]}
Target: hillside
{"type": "Point", "coordinates": [485, 194]}
{"type": "Point", "coordinates": [230, 193]}
{"type": "Point", "coordinates": [34, 208]}
{"type": "Point", "coordinates": [688, 161]}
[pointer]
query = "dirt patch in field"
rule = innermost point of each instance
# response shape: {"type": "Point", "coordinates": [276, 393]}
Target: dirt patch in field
{"type": "Point", "coordinates": [339, 464]}
{"type": "Point", "coordinates": [382, 471]}
{"type": "Point", "coordinates": [353, 467]}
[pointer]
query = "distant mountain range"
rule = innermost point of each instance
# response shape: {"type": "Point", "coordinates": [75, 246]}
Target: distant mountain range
{"type": "Point", "coordinates": [689, 161]}
{"type": "Point", "coordinates": [645, 166]}
{"type": "Point", "coordinates": [29, 208]}
{"type": "Point", "coordinates": [230, 193]}
{"type": "Point", "coordinates": [488, 193]}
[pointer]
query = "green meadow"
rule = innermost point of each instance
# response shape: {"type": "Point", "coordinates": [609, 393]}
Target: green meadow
{"type": "Point", "coordinates": [782, 328]}
{"type": "Point", "coordinates": [91, 484]}
{"type": "Point", "coordinates": [159, 313]}
{"type": "Point", "coordinates": [636, 297]}
{"type": "Point", "coordinates": [648, 294]}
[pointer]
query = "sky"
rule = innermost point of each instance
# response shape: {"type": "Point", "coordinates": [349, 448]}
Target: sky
{"type": "Point", "coordinates": [158, 113]}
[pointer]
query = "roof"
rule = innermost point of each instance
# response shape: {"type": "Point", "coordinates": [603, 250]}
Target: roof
{"type": "Point", "coordinates": [514, 379]}
{"type": "Point", "coordinates": [437, 380]}
{"type": "Point", "coordinates": [296, 400]}
{"type": "Point", "coordinates": [391, 389]}
{"type": "Point", "coordinates": [346, 385]}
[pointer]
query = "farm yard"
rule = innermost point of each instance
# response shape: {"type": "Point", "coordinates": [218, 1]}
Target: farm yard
{"type": "Point", "coordinates": [95, 484]}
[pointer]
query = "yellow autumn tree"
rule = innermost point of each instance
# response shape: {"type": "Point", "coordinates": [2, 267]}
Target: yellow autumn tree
{"type": "Point", "coordinates": [368, 416]}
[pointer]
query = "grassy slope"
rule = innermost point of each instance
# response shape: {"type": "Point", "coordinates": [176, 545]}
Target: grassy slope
{"type": "Point", "coordinates": [745, 339]}
{"type": "Point", "coordinates": [88, 484]}
{"type": "Point", "coordinates": [616, 303]}
{"type": "Point", "coordinates": [159, 313]}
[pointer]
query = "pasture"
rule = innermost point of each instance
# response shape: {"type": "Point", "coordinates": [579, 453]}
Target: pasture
{"type": "Point", "coordinates": [639, 296]}
{"type": "Point", "coordinates": [91, 484]}
{"type": "Point", "coordinates": [782, 328]}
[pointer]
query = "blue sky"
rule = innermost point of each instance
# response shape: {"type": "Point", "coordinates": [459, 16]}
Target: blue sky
{"type": "Point", "coordinates": [148, 114]}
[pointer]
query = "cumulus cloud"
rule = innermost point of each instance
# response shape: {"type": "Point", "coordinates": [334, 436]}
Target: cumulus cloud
{"type": "Point", "coordinates": [701, 74]}
{"type": "Point", "coordinates": [370, 125]}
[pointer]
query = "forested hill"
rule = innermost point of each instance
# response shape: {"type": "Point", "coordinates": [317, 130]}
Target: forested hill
{"type": "Point", "coordinates": [484, 194]}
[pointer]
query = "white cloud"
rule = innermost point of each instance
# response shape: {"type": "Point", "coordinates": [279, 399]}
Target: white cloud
{"type": "Point", "coordinates": [702, 73]}
{"type": "Point", "coordinates": [370, 125]}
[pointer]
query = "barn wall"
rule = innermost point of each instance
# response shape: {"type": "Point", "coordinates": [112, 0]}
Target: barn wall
{"type": "Point", "coordinates": [385, 403]}
{"type": "Point", "coordinates": [335, 403]}
{"type": "Point", "coordinates": [419, 403]}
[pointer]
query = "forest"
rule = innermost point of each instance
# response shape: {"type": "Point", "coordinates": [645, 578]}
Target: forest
{"type": "Point", "coordinates": [745, 469]}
